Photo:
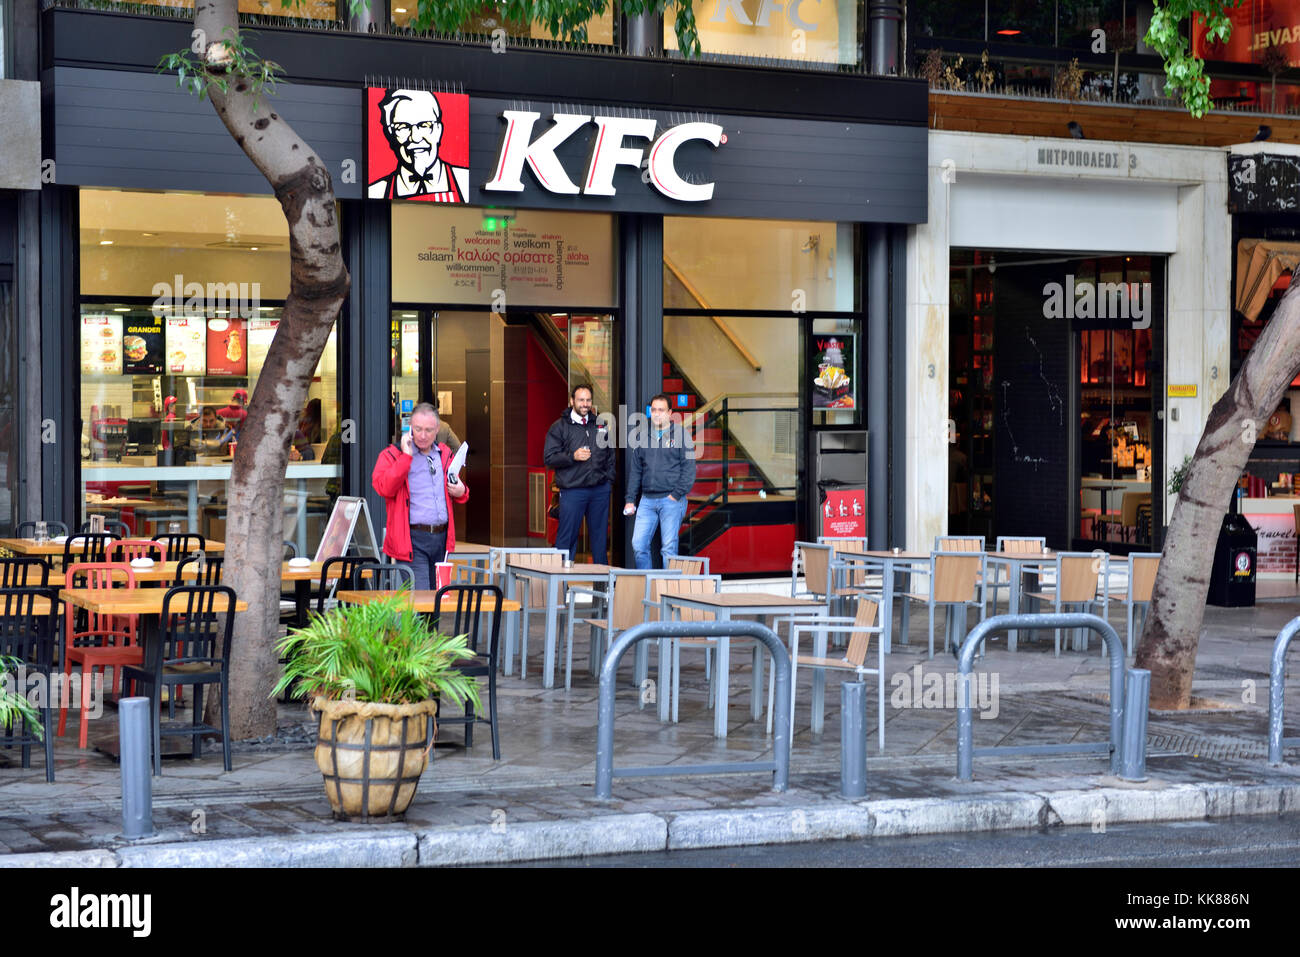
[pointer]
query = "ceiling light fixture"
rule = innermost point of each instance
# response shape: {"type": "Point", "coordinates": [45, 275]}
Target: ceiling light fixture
{"type": "Point", "coordinates": [106, 242]}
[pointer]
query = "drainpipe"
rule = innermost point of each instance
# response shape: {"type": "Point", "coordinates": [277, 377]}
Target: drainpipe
{"type": "Point", "coordinates": [372, 17]}
{"type": "Point", "coordinates": [884, 18]}
{"type": "Point", "coordinates": [644, 34]}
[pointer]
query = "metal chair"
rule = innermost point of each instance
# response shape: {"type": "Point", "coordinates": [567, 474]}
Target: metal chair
{"type": "Point", "coordinates": [28, 530]}
{"type": "Point", "coordinates": [498, 560]}
{"type": "Point", "coordinates": [860, 627]}
{"type": "Point", "coordinates": [337, 569]}
{"type": "Point", "coordinates": [1012, 545]}
{"type": "Point", "coordinates": [290, 550]}
{"type": "Point", "coordinates": [177, 545]}
{"type": "Point", "coordinates": [129, 549]}
{"type": "Point", "coordinates": [207, 570]}
{"type": "Point", "coordinates": [625, 590]}
{"type": "Point", "coordinates": [670, 649]}
{"type": "Point", "coordinates": [28, 634]}
{"type": "Point", "coordinates": [1142, 568]}
{"type": "Point", "coordinates": [1079, 576]}
{"type": "Point", "coordinates": [96, 641]}
{"type": "Point", "coordinates": [467, 620]}
{"type": "Point", "coordinates": [118, 528]}
{"type": "Point", "coordinates": [21, 571]}
{"type": "Point", "coordinates": [686, 564]}
{"type": "Point", "coordinates": [955, 583]}
{"type": "Point", "coordinates": [382, 576]}
{"type": "Point", "coordinates": [87, 548]}
{"type": "Point", "coordinates": [534, 600]}
{"type": "Point", "coordinates": [195, 634]}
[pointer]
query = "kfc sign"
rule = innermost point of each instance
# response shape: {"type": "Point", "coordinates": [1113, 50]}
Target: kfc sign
{"type": "Point", "coordinates": [518, 146]}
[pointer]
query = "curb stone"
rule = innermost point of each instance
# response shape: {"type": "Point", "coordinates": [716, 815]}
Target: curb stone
{"type": "Point", "coordinates": [641, 832]}
{"type": "Point", "coordinates": [349, 849]}
{"type": "Point", "coordinates": [734, 828]}
{"type": "Point", "coordinates": [542, 840]}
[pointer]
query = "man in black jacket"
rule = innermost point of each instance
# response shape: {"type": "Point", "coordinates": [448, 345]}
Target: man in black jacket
{"type": "Point", "coordinates": [661, 470]}
{"type": "Point", "coordinates": [579, 449]}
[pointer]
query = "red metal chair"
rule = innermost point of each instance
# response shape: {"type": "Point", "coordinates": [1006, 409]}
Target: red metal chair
{"type": "Point", "coordinates": [129, 549]}
{"type": "Point", "coordinates": [105, 641]}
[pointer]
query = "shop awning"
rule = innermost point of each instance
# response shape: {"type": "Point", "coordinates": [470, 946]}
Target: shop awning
{"type": "Point", "coordinates": [1259, 264]}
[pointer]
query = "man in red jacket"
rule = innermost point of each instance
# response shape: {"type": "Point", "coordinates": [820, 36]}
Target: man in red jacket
{"type": "Point", "coordinates": [417, 496]}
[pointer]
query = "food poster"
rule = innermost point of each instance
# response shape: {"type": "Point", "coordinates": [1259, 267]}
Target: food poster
{"type": "Point", "coordinates": [142, 346]}
{"type": "Point", "coordinates": [396, 346]}
{"type": "Point", "coordinates": [101, 345]}
{"type": "Point", "coordinates": [186, 345]}
{"type": "Point", "coordinates": [260, 334]}
{"type": "Point", "coordinates": [227, 347]}
{"type": "Point", "coordinates": [832, 370]}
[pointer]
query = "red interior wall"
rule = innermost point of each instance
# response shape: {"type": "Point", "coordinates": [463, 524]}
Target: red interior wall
{"type": "Point", "coordinates": [547, 397]}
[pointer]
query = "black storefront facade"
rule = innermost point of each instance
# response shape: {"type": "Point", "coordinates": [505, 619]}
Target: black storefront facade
{"type": "Point", "coordinates": [764, 212]}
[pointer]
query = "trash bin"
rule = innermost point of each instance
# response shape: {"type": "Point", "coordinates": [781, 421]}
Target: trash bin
{"type": "Point", "coordinates": [1232, 578]}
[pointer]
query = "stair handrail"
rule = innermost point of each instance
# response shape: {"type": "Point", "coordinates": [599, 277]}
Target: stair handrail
{"type": "Point", "coordinates": [717, 320]}
{"type": "Point", "coordinates": [727, 397]}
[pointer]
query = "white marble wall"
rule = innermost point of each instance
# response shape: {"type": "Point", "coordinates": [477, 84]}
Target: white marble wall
{"type": "Point", "coordinates": [1197, 290]}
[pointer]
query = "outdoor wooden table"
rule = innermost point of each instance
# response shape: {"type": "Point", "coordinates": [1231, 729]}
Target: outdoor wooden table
{"type": "Point", "coordinates": [475, 559]}
{"type": "Point", "coordinates": [424, 600]}
{"type": "Point", "coordinates": [29, 546]}
{"type": "Point", "coordinates": [724, 606]}
{"type": "Point", "coordinates": [552, 575]}
{"type": "Point", "coordinates": [1017, 563]}
{"type": "Point", "coordinates": [894, 565]}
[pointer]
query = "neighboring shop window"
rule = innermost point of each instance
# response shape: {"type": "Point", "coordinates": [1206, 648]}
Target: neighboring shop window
{"type": "Point", "coordinates": [820, 31]}
{"type": "Point", "coordinates": [600, 29]}
{"type": "Point", "coordinates": [302, 10]}
{"type": "Point", "coordinates": [181, 295]}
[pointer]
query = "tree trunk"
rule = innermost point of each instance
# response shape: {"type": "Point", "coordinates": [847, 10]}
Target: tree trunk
{"type": "Point", "coordinates": [1173, 628]}
{"type": "Point", "coordinates": [318, 286]}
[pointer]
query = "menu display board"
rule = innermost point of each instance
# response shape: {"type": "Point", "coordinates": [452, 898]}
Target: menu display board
{"type": "Point", "coordinates": [396, 346]}
{"type": "Point", "coordinates": [142, 346]}
{"type": "Point", "coordinates": [101, 345]}
{"type": "Point", "coordinates": [516, 257]}
{"type": "Point", "coordinates": [226, 352]}
{"type": "Point", "coordinates": [186, 347]}
{"type": "Point", "coordinates": [831, 371]}
{"type": "Point", "coordinates": [410, 347]}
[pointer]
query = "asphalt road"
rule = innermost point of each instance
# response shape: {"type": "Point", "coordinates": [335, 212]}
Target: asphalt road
{"type": "Point", "coordinates": [1244, 842]}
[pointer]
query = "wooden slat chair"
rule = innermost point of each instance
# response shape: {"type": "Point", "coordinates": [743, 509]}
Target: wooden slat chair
{"type": "Point", "coordinates": [534, 597]}
{"type": "Point", "coordinates": [1142, 568]}
{"type": "Point", "coordinates": [955, 584]}
{"type": "Point", "coordinates": [1000, 577]}
{"type": "Point", "coordinates": [856, 577]}
{"type": "Point", "coordinates": [822, 576]}
{"type": "Point", "coordinates": [1079, 577]}
{"type": "Point", "coordinates": [96, 641]}
{"type": "Point", "coordinates": [498, 560]}
{"type": "Point", "coordinates": [859, 628]}
{"type": "Point", "coordinates": [626, 609]}
{"type": "Point", "coordinates": [1130, 505]}
{"type": "Point", "coordinates": [686, 564]}
{"type": "Point", "coordinates": [129, 549]}
{"type": "Point", "coordinates": [670, 648]}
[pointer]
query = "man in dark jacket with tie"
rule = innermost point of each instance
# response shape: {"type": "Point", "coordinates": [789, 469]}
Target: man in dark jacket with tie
{"type": "Point", "coordinates": [579, 449]}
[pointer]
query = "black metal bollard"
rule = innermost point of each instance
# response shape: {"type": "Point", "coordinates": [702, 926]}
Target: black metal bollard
{"type": "Point", "coordinates": [135, 736]}
{"type": "Point", "coordinates": [853, 739]}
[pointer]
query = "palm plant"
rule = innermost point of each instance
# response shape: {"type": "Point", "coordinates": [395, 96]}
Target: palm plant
{"type": "Point", "coordinates": [13, 705]}
{"type": "Point", "coordinates": [383, 652]}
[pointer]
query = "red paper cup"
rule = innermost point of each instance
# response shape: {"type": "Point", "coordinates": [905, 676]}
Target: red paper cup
{"type": "Point", "coordinates": [443, 571]}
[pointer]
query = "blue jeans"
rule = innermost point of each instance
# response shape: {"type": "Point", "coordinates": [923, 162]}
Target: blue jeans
{"type": "Point", "coordinates": [575, 503]}
{"type": "Point", "coordinates": [427, 549]}
{"type": "Point", "coordinates": [651, 513]}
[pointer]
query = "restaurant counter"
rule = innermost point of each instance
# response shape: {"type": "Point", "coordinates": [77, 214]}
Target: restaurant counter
{"type": "Point", "coordinates": [1273, 519]}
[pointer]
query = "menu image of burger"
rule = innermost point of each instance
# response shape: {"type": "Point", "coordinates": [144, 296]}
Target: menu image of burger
{"type": "Point", "coordinates": [227, 354]}
{"type": "Point", "coordinates": [186, 346]}
{"type": "Point", "coordinates": [101, 345]}
{"type": "Point", "coordinates": [142, 347]}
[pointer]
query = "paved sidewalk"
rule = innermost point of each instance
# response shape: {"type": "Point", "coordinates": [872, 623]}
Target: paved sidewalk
{"type": "Point", "coordinates": [538, 802]}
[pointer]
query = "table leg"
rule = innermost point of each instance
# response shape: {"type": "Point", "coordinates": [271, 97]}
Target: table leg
{"type": "Point", "coordinates": [302, 517]}
{"type": "Point", "coordinates": [301, 600]}
{"type": "Point", "coordinates": [548, 663]}
{"type": "Point", "coordinates": [755, 695]}
{"type": "Point", "coordinates": [523, 625]}
{"type": "Point", "coordinates": [887, 599]}
{"type": "Point", "coordinates": [903, 582]}
{"type": "Point", "coordinates": [722, 674]}
{"type": "Point", "coordinates": [1014, 573]}
{"type": "Point", "coordinates": [511, 623]}
{"type": "Point", "coordinates": [819, 683]}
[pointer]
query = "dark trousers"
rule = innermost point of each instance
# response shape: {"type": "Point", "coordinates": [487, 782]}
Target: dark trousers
{"type": "Point", "coordinates": [427, 549]}
{"type": "Point", "coordinates": [577, 503]}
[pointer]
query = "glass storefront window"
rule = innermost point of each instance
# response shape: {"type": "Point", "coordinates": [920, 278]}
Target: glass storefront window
{"type": "Point", "coordinates": [180, 299]}
{"type": "Point", "coordinates": [303, 10]}
{"type": "Point", "coordinates": [600, 29]}
{"type": "Point", "coordinates": [820, 31]}
{"type": "Point", "coordinates": [9, 435]}
{"type": "Point", "coordinates": [790, 265]}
